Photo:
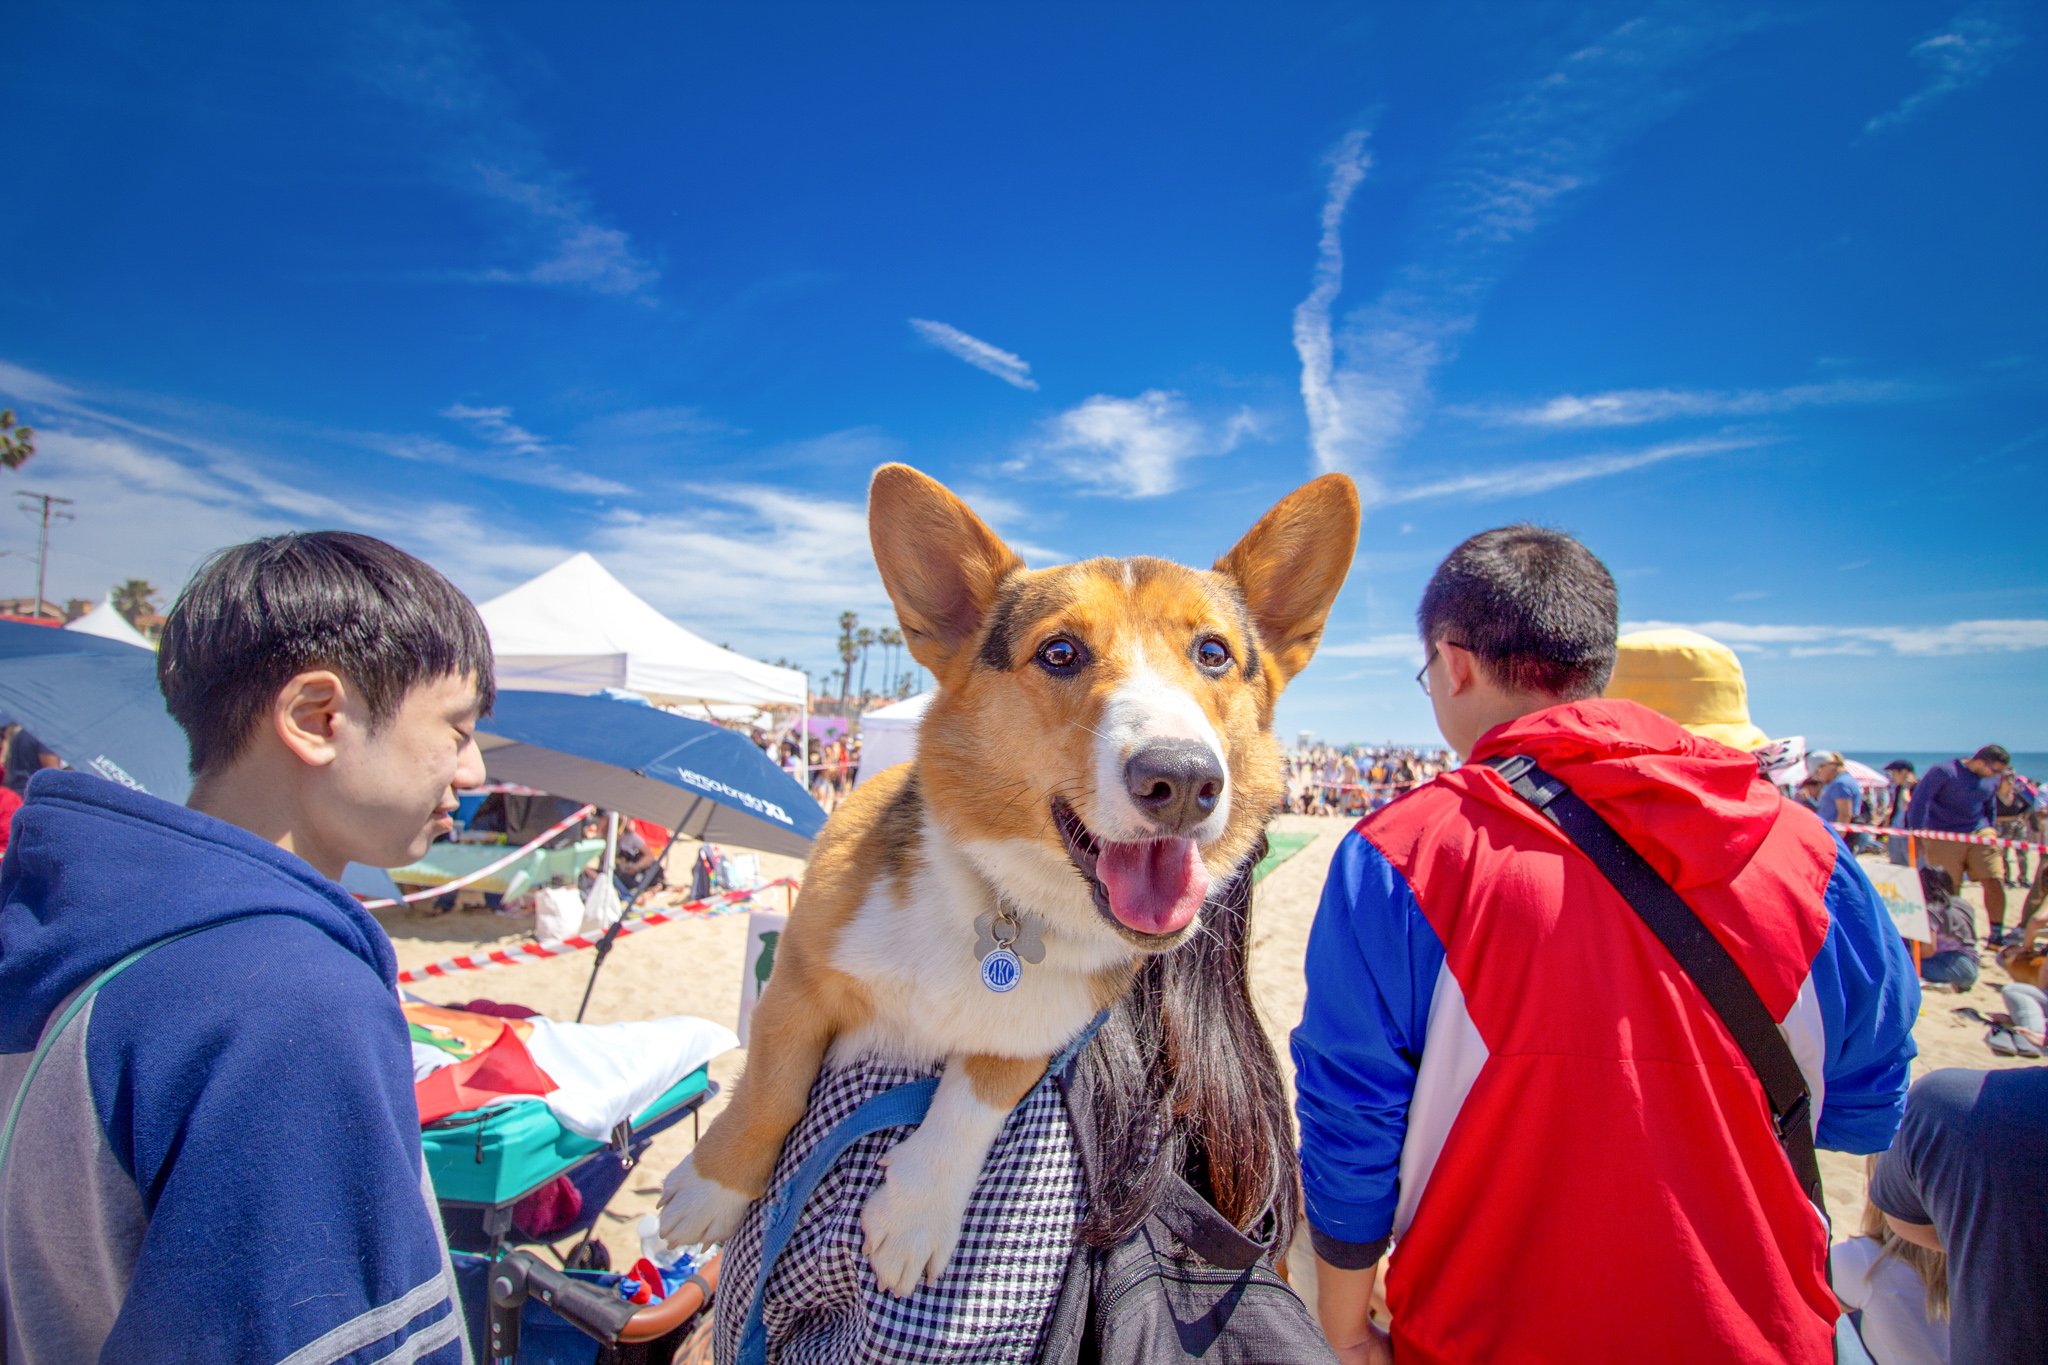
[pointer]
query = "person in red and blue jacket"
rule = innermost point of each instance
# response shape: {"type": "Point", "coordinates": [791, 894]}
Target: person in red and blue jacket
{"type": "Point", "coordinates": [1502, 1072]}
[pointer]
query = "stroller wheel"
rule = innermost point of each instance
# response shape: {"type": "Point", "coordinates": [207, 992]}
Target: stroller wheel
{"type": "Point", "coordinates": [590, 1255]}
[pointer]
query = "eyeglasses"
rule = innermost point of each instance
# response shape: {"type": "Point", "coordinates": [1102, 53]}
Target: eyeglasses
{"type": "Point", "coordinates": [1422, 676]}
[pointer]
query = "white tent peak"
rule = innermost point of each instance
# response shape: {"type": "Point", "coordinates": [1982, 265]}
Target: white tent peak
{"type": "Point", "coordinates": [888, 734]}
{"type": "Point", "coordinates": [576, 629]}
{"type": "Point", "coordinates": [109, 624]}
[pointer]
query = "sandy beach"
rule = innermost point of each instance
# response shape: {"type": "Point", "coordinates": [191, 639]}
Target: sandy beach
{"type": "Point", "coordinates": [694, 968]}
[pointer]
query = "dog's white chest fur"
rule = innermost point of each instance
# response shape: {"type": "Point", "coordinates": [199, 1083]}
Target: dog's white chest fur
{"type": "Point", "coordinates": [912, 945]}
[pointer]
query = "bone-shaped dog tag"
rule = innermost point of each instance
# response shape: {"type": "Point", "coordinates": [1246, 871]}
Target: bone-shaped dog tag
{"type": "Point", "coordinates": [1030, 944]}
{"type": "Point", "coordinates": [1021, 934]}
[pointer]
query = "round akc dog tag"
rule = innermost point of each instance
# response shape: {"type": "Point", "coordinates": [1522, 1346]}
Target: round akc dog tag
{"type": "Point", "coordinates": [1001, 971]}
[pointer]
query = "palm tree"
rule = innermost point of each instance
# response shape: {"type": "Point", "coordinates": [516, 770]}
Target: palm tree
{"type": "Point", "coordinates": [865, 640]}
{"type": "Point", "coordinates": [848, 650]}
{"type": "Point", "coordinates": [135, 599]}
{"type": "Point", "coordinates": [890, 639]}
{"type": "Point", "coordinates": [17, 442]}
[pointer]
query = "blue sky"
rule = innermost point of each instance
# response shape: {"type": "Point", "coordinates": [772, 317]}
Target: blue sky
{"type": "Point", "coordinates": [1749, 298]}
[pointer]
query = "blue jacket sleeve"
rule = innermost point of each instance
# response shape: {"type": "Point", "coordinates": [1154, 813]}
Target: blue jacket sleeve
{"type": "Point", "coordinates": [256, 1082]}
{"type": "Point", "coordinates": [1373, 962]}
{"type": "Point", "coordinates": [1869, 996]}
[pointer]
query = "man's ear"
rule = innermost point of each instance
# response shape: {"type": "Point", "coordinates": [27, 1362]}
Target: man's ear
{"type": "Point", "coordinates": [307, 716]}
{"type": "Point", "coordinates": [941, 565]}
{"type": "Point", "coordinates": [1291, 565]}
{"type": "Point", "coordinates": [1461, 668]}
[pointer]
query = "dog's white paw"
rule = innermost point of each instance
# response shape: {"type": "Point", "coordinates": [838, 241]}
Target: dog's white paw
{"type": "Point", "coordinates": [696, 1210]}
{"type": "Point", "coordinates": [910, 1225]}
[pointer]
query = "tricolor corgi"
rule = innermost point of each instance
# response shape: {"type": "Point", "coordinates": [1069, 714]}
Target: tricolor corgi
{"type": "Point", "coordinates": [1098, 753]}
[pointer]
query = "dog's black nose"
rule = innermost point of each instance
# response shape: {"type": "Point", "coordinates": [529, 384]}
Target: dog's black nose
{"type": "Point", "coordinates": [1175, 781]}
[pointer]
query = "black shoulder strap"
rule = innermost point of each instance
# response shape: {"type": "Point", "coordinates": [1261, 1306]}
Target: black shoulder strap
{"type": "Point", "coordinates": [1696, 950]}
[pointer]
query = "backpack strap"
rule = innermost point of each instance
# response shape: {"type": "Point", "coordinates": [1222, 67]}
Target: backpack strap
{"type": "Point", "coordinates": [56, 1027]}
{"type": "Point", "coordinates": [1698, 953]}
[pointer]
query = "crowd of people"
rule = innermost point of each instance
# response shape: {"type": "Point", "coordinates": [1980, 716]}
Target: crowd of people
{"type": "Point", "coordinates": [1353, 779]}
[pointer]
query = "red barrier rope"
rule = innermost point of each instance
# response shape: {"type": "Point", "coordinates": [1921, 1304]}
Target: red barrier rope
{"type": "Point", "coordinates": [555, 947]}
{"type": "Point", "coordinates": [1987, 840]}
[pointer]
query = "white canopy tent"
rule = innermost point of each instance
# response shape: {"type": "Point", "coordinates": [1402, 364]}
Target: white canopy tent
{"type": "Point", "coordinates": [109, 624]}
{"type": "Point", "coordinates": [888, 734]}
{"type": "Point", "coordinates": [578, 629]}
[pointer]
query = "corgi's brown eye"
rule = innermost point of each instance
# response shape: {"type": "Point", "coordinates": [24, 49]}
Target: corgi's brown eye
{"type": "Point", "coordinates": [1213, 655]}
{"type": "Point", "coordinates": [1059, 656]}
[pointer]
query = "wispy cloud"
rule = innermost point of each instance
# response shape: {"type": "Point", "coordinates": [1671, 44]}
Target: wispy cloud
{"type": "Point", "coordinates": [1011, 369]}
{"type": "Point", "coordinates": [1541, 476]}
{"type": "Point", "coordinates": [509, 452]}
{"type": "Point", "coordinates": [1959, 637]}
{"type": "Point", "coordinates": [467, 127]}
{"type": "Point", "coordinates": [1636, 407]}
{"type": "Point", "coordinates": [1319, 398]}
{"type": "Point", "coordinates": [1132, 447]}
{"type": "Point", "coordinates": [575, 250]}
{"type": "Point", "coordinates": [496, 426]}
{"type": "Point", "coordinates": [1963, 53]}
{"type": "Point", "coordinates": [1402, 645]}
{"type": "Point", "coordinates": [150, 509]}
{"type": "Point", "coordinates": [1367, 381]}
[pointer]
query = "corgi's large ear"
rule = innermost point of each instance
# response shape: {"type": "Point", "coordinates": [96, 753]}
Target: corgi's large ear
{"type": "Point", "coordinates": [1291, 565]}
{"type": "Point", "coordinates": [941, 565]}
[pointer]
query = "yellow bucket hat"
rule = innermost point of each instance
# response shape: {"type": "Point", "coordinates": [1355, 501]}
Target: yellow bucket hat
{"type": "Point", "coordinates": [1683, 675]}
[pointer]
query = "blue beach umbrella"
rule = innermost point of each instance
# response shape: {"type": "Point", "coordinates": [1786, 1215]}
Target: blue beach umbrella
{"type": "Point", "coordinates": [682, 774]}
{"type": "Point", "coordinates": [95, 704]}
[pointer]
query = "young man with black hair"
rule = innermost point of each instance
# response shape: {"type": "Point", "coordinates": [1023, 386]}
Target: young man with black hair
{"type": "Point", "coordinates": [1959, 797]}
{"type": "Point", "coordinates": [215, 1155]}
{"type": "Point", "coordinates": [1503, 1073]}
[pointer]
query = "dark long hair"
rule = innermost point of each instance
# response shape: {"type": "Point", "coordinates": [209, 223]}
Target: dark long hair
{"type": "Point", "coordinates": [1182, 1080]}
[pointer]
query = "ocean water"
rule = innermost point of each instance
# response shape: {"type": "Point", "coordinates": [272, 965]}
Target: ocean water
{"type": "Point", "coordinates": [2034, 765]}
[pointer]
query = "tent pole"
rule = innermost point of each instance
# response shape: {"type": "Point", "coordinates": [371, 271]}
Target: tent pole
{"type": "Point", "coordinates": [612, 930]}
{"type": "Point", "coordinates": [803, 741]}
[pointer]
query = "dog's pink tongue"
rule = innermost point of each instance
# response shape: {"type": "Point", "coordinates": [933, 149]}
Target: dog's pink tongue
{"type": "Point", "coordinates": [1154, 887]}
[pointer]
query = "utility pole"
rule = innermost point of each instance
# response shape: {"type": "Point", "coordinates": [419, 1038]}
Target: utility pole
{"type": "Point", "coordinates": [41, 503]}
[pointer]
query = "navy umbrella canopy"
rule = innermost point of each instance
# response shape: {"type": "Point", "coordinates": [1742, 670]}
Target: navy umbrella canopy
{"type": "Point", "coordinates": [683, 774]}
{"type": "Point", "coordinates": [95, 704]}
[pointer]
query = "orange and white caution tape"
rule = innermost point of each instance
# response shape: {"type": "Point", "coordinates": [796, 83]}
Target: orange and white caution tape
{"type": "Point", "coordinates": [555, 947]}
{"type": "Point", "coordinates": [1988, 840]}
{"type": "Point", "coordinates": [468, 878]}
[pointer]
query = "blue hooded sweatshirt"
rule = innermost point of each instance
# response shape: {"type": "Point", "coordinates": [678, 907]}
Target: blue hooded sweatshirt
{"type": "Point", "coordinates": [219, 1156]}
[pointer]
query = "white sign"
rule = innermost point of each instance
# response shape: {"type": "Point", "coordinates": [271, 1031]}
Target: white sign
{"type": "Point", "coordinates": [764, 934]}
{"type": "Point", "coordinates": [1900, 889]}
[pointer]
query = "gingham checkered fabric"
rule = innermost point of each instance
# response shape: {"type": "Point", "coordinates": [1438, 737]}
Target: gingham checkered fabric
{"type": "Point", "coordinates": [996, 1297]}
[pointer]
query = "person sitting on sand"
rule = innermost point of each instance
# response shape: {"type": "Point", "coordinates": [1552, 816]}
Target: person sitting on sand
{"type": "Point", "coordinates": [1953, 962]}
{"type": "Point", "coordinates": [213, 1149]}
